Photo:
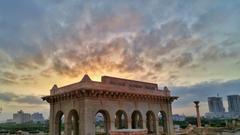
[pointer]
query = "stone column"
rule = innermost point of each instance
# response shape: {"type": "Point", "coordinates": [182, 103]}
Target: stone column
{"type": "Point", "coordinates": [76, 127]}
{"type": "Point", "coordinates": [81, 122]}
{"type": "Point", "coordinates": [144, 122]}
{"type": "Point", "coordinates": [157, 126]}
{"type": "Point", "coordinates": [89, 122]}
{"type": "Point", "coordinates": [170, 129]}
{"type": "Point", "coordinates": [67, 128]}
{"type": "Point", "coordinates": [51, 119]}
{"type": "Point", "coordinates": [198, 113]}
{"type": "Point", "coordinates": [112, 121]}
{"type": "Point", "coordinates": [67, 125]}
{"type": "Point", "coordinates": [129, 122]}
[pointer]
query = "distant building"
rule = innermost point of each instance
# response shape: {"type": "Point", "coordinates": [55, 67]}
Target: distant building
{"type": "Point", "coordinates": [9, 121]}
{"type": "Point", "coordinates": [177, 117]}
{"type": "Point", "coordinates": [221, 115]}
{"type": "Point", "coordinates": [233, 103]}
{"type": "Point", "coordinates": [215, 105]}
{"type": "Point", "coordinates": [37, 117]}
{"type": "Point", "coordinates": [21, 117]}
{"type": "Point", "coordinates": [216, 109]}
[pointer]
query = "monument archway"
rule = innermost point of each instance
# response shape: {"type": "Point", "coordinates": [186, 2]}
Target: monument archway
{"type": "Point", "coordinates": [111, 104]}
{"type": "Point", "coordinates": [121, 120]}
{"type": "Point", "coordinates": [151, 122]}
{"type": "Point", "coordinates": [162, 119]}
{"type": "Point", "coordinates": [102, 124]}
{"type": "Point", "coordinates": [59, 123]}
{"type": "Point", "coordinates": [73, 123]}
{"type": "Point", "coordinates": [137, 120]}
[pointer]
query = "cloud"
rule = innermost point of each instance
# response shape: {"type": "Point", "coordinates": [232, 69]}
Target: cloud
{"type": "Point", "coordinates": [218, 19]}
{"type": "Point", "coordinates": [27, 99]}
{"type": "Point", "coordinates": [217, 53]}
{"type": "Point", "coordinates": [7, 82]}
{"type": "Point", "coordinates": [12, 78]}
{"type": "Point", "coordinates": [161, 41]}
{"type": "Point", "coordinates": [10, 75]}
{"type": "Point", "coordinates": [184, 59]}
{"type": "Point", "coordinates": [70, 38]}
{"type": "Point", "coordinates": [7, 97]}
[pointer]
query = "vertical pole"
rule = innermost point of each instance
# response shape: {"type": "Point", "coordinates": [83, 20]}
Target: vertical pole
{"type": "Point", "coordinates": [198, 113]}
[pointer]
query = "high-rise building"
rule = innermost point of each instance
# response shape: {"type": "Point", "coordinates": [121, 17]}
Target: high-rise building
{"type": "Point", "coordinates": [21, 117]}
{"type": "Point", "coordinates": [37, 117]}
{"type": "Point", "coordinates": [215, 104]}
{"type": "Point", "coordinates": [234, 103]}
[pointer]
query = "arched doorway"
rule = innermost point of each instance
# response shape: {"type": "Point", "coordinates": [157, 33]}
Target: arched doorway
{"type": "Point", "coordinates": [121, 120]}
{"type": "Point", "coordinates": [162, 118]}
{"type": "Point", "coordinates": [102, 123]}
{"type": "Point", "coordinates": [73, 123]}
{"type": "Point", "coordinates": [151, 122]}
{"type": "Point", "coordinates": [137, 122]}
{"type": "Point", "coordinates": [59, 123]}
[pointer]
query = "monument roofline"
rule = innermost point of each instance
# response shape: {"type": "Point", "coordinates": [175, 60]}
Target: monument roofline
{"type": "Point", "coordinates": [129, 80]}
{"type": "Point", "coordinates": [113, 85]}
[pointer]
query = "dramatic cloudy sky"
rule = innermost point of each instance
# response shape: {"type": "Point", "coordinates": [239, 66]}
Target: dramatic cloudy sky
{"type": "Point", "coordinates": [192, 46]}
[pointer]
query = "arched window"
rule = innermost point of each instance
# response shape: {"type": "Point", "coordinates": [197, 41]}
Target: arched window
{"type": "Point", "coordinates": [59, 123]}
{"type": "Point", "coordinates": [137, 122]}
{"type": "Point", "coordinates": [102, 123]}
{"type": "Point", "coordinates": [162, 118]}
{"type": "Point", "coordinates": [73, 123]}
{"type": "Point", "coordinates": [121, 121]}
{"type": "Point", "coordinates": [151, 122]}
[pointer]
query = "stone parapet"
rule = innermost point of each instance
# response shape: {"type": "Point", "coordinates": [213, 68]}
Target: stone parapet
{"type": "Point", "coordinates": [129, 132]}
{"type": "Point", "coordinates": [112, 84]}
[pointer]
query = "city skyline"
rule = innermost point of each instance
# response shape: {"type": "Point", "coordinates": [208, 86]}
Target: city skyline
{"type": "Point", "coordinates": [190, 46]}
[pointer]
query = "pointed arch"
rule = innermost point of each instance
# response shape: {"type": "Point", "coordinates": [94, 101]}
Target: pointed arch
{"type": "Point", "coordinates": [137, 121]}
{"type": "Point", "coordinates": [73, 123]}
{"type": "Point", "coordinates": [121, 120]}
{"type": "Point", "coordinates": [102, 122]}
{"type": "Point", "coordinates": [162, 117]}
{"type": "Point", "coordinates": [151, 122]}
{"type": "Point", "coordinates": [59, 123]}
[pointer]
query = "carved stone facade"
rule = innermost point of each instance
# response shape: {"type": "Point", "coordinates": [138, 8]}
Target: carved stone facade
{"type": "Point", "coordinates": [123, 104]}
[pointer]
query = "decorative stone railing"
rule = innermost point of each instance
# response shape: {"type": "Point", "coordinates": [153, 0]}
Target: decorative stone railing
{"type": "Point", "coordinates": [129, 132]}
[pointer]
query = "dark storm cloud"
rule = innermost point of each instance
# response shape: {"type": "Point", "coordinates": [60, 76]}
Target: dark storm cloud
{"type": "Point", "coordinates": [28, 99]}
{"type": "Point", "coordinates": [203, 90]}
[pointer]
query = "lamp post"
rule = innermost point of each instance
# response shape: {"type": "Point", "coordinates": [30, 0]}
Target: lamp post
{"type": "Point", "coordinates": [198, 113]}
